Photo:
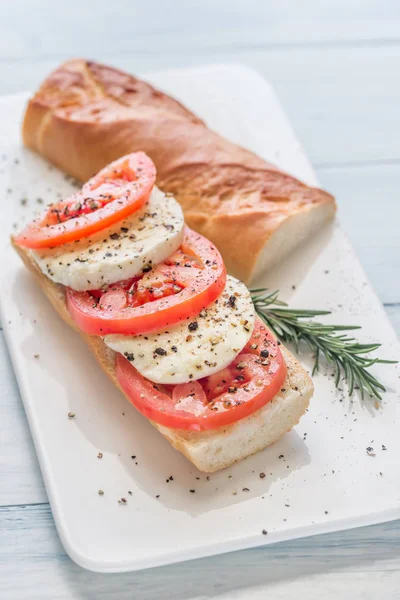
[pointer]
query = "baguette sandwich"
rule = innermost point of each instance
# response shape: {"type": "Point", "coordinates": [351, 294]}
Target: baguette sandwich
{"type": "Point", "coordinates": [153, 302]}
{"type": "Point", "coordinates": [86, 115]}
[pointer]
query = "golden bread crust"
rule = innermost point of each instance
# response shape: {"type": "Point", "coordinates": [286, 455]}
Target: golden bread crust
{"type": "Point", "coordinates": [86, 115]}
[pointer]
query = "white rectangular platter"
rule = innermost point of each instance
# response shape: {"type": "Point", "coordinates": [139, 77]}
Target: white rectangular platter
{"type": "Point", "coordinates": [319, 477]}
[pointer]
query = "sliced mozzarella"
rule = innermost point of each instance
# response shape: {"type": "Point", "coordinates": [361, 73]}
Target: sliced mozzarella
{"type": "Point", "coordinates": [199, 346]}
{"type": "Point", "coordinates": [120, 252]}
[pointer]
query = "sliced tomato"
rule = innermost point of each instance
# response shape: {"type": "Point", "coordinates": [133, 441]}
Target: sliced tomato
{"type": "Point", "coordinates": [246, 385]}
{"type": "Point", "coordinates": [173, 291]}
{"type": "Point", "coordinates": [113, 194]}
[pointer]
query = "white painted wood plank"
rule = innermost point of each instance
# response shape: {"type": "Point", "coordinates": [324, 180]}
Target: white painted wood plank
{"type": "Point", "coordinates": [342, 102]}
{"type": "Point", "coordinates": [57, 29]}
{"type": "Point", "coordinates": [317, 90]}
{"type": "Point", "coordinates": [363, 564]}
{"type": "Point", "coordinates": [369, 211]}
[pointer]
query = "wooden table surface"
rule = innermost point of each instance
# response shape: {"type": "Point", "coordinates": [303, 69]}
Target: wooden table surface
{"type": "Point", "coordinates": [335, 66]}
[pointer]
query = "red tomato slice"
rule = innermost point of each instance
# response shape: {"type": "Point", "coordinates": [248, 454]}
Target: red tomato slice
{"type": "Point", "coordinates": [113, 194]}
{"type": "Point", "coordinates": [251, 380]}
{"type": "Point", "coordinates": [175, 290]}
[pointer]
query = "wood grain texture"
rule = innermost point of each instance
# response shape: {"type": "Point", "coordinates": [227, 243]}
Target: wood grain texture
{"type": "Point", "coordinates": [334, 67]}
{"type": "Point", "coordinates": [189, 26]}
{"type": "Point", "coordinates": [331, 95]}
{"type": "Point", "coordinates": [369, 212]}
{"type": "Point", "coordinates": [365, 564]}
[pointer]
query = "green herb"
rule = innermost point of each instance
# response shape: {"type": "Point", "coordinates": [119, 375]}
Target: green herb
{"type": "Point", "coordinates": [344, 353]}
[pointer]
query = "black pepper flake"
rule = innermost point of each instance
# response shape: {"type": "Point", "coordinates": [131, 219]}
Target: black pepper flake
{"type": "Point", "coordinates": [157, 496]}
{"type": "Point", "coordinates": [160, 351]}
{"type": "Point", "coordinates": [146, 269]}
{"type": "Point", "coordinates": [264, 532]}
{"type": "Point", "coordinates": [264, 353]}
{"type": "Point", "coordinates": [129, 492]}
{"type": "Point", "coordinates": [133, 457]}
{"type": "Point", "coordinates": [115, 236]}
{"type": "Point", "coordinates": [245, 490]}
{"type": "Point", "coordinates": [384, 447]}
{"type": "Point", "coordinates": [193, 326]}
{"type": "Point", "coordinates": [123, 501]}
{"type": "Point", "coordinates": [192, 491]}
{"type": "Point", "coordinates": [100, 455]}
{"type": "Point", "coordinates": [130, 356]}
{"type": "Point", "coordinates": [101, 493]}
{"type": "Point", "coordinates": [71, 415]}
{"type": "Point", "coordinates": [174, 349]}
{"type": "Point", "coordinates": [370, 451]}
{"type": "Point", "coordinates": [232, 301]}
{"type": "Point", "coordinates": [261, 475]}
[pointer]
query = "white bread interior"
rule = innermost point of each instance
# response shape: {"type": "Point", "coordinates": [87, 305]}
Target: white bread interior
{"type": "Point", "coordinates": [297, 229]}
{"type": "Point", "coordinates": [210, 450]}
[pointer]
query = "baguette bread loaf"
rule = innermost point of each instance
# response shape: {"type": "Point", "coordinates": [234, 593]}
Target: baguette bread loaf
{"type": "Point", "coordinates": [86, 115]}
{"type": "Point", "coordinates": [210, 450]}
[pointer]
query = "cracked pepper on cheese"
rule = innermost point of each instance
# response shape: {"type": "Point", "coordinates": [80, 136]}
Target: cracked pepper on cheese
{"type": "Point", "coordinates": [197, 347]}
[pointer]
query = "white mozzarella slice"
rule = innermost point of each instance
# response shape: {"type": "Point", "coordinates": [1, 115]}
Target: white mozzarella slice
{"type": "Point", "coordinates": [199, 346]}
{"type": "Point", "coordinates": [146, 238]}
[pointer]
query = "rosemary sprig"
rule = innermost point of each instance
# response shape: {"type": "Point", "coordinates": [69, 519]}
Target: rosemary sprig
{"type": "Point", "coordinates": [346, 355]}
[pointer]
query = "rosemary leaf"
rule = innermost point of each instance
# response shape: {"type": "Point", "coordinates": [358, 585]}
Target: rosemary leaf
{"type": "Point", "coordinates": [345, 354]}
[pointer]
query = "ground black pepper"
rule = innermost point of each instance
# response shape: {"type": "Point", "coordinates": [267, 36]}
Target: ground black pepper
{"type": "Point", "coordinates": [160, 351]}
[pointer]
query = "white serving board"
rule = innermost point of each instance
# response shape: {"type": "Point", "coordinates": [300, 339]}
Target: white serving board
{"type": "Point", "coordinates": [324, 481]}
